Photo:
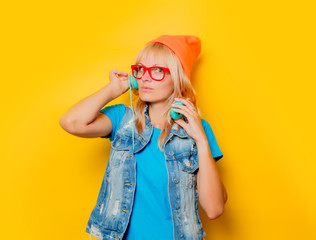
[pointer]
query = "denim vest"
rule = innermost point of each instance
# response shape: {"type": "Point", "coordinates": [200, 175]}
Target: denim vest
{"type": "Point", "coordinates": [110, 216]}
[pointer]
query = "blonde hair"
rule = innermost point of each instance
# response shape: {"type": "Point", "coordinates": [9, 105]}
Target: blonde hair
{"type": "Point", "coordinates": [182, 89]}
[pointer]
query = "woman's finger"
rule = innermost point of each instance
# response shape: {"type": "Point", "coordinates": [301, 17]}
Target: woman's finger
{"type": "Point", "coordinates": [124, 73]}
{"type": "Point", "coordinates": [187, 103]}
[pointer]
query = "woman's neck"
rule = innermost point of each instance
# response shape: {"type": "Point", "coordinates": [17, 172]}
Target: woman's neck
{"type": "Point", "coordinates": [155, 111]}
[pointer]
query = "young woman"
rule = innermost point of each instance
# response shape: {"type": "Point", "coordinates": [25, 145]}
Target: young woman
{"type": "Point", "coordinates": [159, 167]}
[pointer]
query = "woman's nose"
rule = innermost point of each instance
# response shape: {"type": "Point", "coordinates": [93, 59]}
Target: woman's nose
{"type": "Point", "coordinates": [146, 76]}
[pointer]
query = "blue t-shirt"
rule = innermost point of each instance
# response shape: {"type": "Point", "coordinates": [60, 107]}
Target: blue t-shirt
{"type": "Point", "coordinates": [151, 215]}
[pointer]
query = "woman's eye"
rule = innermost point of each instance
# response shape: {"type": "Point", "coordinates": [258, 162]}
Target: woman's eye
{"type": "Point", "coordinates": [140, 69]}
{"type": "Point", "coordinates": [159, 70]}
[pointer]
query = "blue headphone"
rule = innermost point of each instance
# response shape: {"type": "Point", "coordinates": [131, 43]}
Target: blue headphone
{"type": "Point", "coordinates": [133, 84]}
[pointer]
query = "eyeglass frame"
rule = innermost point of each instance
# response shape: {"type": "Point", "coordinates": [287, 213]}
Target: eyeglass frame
{"type": "Point", "coordinates": [149, 71]}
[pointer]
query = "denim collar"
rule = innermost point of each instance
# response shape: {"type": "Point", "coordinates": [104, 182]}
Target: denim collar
{"type": "Point", "coordinates": [181, 133]}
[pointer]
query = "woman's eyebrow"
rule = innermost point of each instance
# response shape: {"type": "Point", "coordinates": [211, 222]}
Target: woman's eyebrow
{"type": "Point", "coordinates": [145, 66]}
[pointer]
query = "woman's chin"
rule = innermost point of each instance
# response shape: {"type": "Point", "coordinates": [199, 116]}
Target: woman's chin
{"type": "Point", "coordinates": [146, 98]}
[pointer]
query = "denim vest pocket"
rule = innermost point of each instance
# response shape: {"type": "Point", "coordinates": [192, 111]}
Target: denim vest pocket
{"type": "Point", "coordinates": [187, 166]}
{"type": "Point", "coordinates": [189, 162]}
{"type": "Point", "coordinates": [121, 142]}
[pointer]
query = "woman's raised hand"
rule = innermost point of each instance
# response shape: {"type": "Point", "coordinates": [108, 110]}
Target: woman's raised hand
{"type": "Point", "coordinates": [119, 81]}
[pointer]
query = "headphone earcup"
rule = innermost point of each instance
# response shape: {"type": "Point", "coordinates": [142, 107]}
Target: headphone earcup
{"type": "Point", "coordinates": [176, 115]}
{"type": "Point", "coordinates": [132, 81]}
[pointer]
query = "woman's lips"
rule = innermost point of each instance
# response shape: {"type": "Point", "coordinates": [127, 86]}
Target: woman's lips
{"type": "Point", "coordinates": [146, 89]}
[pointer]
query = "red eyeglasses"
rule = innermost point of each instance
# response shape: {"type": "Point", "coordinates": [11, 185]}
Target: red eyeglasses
{"type": "Point", "coordinates": [155, 72]}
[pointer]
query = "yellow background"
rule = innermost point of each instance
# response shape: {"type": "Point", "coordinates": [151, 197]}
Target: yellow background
{"type": "Point", "coordinates": [255, 80]}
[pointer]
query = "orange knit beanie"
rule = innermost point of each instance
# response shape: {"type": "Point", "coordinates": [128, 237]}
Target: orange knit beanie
{"type": "Point", "coordinates": [186, 47]}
